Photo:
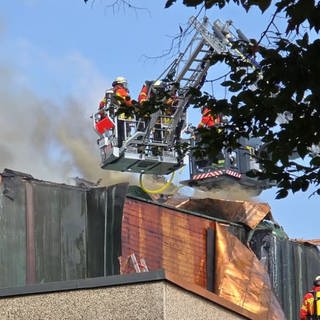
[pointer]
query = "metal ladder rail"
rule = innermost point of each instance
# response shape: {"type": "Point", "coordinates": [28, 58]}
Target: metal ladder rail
{"type": "Point", "coordinates": [190, 75]}
{"type": "Point", "coordinates": [191, 59]}
{"type": "Point", "coordinates": [216, 43]}
{"type": "Point", "coordinates": [194, 81]}
{"type": "Point", "coordinates": [193, 75]}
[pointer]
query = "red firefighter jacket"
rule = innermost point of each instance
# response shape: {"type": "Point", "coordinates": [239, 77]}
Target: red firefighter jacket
{"type": "Point", "coordinates": [143, 95]}
{"type": "Point", "coordinates": [122, 95]}
{"type": "Point", "coordinates": [208, 120]}
{"type": "Point", "coordinates": [308, 305]}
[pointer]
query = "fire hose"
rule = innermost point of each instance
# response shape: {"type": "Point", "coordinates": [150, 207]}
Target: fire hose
{"type": "Point", "coordinates": [159, 190]}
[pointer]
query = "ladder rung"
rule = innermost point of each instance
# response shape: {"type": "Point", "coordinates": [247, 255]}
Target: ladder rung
{"type": "Point", "coordinates": [188, 79]}
{"type": "Point", "coordinates": [192, 70]}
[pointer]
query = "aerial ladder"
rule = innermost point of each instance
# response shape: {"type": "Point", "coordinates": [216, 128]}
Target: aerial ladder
{"type": "Point", "coordinates": [188, 71]}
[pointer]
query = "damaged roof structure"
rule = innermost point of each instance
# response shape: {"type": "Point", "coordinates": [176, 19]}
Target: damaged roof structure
{"type": "Point", "coordinates": [233, 250]}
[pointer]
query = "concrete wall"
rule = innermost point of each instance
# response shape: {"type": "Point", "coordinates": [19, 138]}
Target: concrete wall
{"type": "Point", "coordinates": [152, 300]}
{"type": "Point", "coordinates": [181, 304]}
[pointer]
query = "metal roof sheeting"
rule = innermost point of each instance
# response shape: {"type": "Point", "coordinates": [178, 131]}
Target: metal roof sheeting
{"type": "Point", "coordinates": [51, 232]}
{"type": "Point", "coordinates": [246, 212]}
{"type": "Point", "coordinates": [292, 267]}
{"type": "Point", "coordinates": [178, 241]}
{"type": "Point", "coordinates": [242, 279]}
{"type": "Point", "coordinates": [291, 264]}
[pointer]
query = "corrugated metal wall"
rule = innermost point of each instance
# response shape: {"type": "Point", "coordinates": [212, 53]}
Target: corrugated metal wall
{"type": "Point", "coordinates": [176, 241]}
{"type": "Point", "coordinates": [166, 238]}
{"type": "Point", "coordinates": [181, 243]}
{"type": "Point", "coordinates": [292, 267]}
{"type": "Point", "coordinates": [51, 232]}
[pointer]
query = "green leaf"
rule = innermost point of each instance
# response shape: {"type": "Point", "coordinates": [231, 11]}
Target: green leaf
{"type": "Point", "coordinates": [264, 4]}
{"type": "Point", "coordinates": [210, 3]}
{"type": "Point", "coordinates": [302, 150]}
{"type": "Point", "coordinates": [282, 193]}
{"type": "Point", "coordinates": [227, 83]}
{"type": "Point", "coordinates": [235, 87]}
{"type": "Point", "coordinates": [304, 185]}
{"type": "Point", "coordinates": [315, 161]}
{"type": "Point", "coordinates": [296, 185]}
{"type": "Point", "coordinates": [169, 3]}
{"type": "Point", "coordinates": [304, 41]}
{"type": "Point", "coordinates": [192, 3]}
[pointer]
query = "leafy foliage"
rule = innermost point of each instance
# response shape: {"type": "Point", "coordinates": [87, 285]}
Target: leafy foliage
{"type": "Point", "coordinates": [287, 83]}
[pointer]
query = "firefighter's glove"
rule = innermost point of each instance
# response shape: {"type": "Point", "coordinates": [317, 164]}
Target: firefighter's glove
{"type": "Point", "coordinates": [175, 102]}
{"type": "Point", "coordinates": [169, 102]}
{"type": "Point", "coordinates": [102, 104]}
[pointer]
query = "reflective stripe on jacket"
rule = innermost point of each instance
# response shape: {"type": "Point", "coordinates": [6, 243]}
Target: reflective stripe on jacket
{"type": "Point", "coordinates": [143, 95]}
{"type": "Point", "coordinates": [308, 305]}
{"type": "Point", "coordinates": [122, 95]}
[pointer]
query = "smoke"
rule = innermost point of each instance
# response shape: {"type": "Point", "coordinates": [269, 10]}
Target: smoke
{"type": "Point", "coordinates": [77, 137]}
{"type": "Point", "coordinates": [45, 124]}
{"type": "Point", "coordinates": [52, 139]}
{"type": "Point", "coordinates": [226, 192]}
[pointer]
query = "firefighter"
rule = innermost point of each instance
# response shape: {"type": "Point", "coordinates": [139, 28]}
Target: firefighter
{"type": "Point", "coordinates": [152, 88]}
{"type": "Point", "coordinates": [159, 89]}
{"type": "Point", "coordinates": [207, 119]}
{"type": "Point", "coordinates": [121, 92]}
{"type": "Point", "coordinates": [145, 92]}
{"type": "Point", "coordinates": [310, 308]}
{"type": "Point", "coordinates": [122, 96]}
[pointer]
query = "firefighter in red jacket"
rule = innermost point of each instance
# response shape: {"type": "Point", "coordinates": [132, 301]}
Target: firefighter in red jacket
{"type": "Point", "coordinates": [207, 119]}
{"type": "Point", "coordinates": [120, 97]}
{"type": "Point", "coordinates": [310, 308]}
{"type": "Point", "coordinates": [145, 92]}
{"type": "Point", "coordinates": [120, 93]}
{"type": "Point", "coordinates": [152, 88]}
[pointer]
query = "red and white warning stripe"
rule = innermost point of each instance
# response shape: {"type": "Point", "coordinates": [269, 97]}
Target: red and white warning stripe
{"type": "Point", "coordinates": [233, 173]}
{"type": "Point", "coordinates": [206, 175]}
{"type": "Point", "coordinates": [216, 173]}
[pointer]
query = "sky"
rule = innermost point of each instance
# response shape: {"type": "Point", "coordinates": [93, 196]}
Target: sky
{"type": "Point", "coordinates": [57, 58]}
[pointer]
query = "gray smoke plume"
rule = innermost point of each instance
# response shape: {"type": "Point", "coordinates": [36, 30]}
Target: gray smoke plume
{"type": "Point", "coordinates": [51, 141]}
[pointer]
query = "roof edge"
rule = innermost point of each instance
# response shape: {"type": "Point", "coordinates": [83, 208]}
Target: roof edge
{"type": "Point", "coordinates": [118, 280]}
{"type": "Point", "coordinates": [193, 213]}
{"type": "Point", "coordinates": [89, 283]}
{"type": "Point", "coordinates": [208, 295]}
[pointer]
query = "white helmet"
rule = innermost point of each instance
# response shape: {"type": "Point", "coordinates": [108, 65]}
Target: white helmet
{"type": "Point", "coordinates": [120, 80]}
{"type": "Point", "coordinates": [157, 83]}
{"type": "Point", "coordinates": [316, 281]}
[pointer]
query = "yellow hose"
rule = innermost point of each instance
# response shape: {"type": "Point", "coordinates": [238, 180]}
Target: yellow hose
{"type": "Point", "coordinates": [164, 187]}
